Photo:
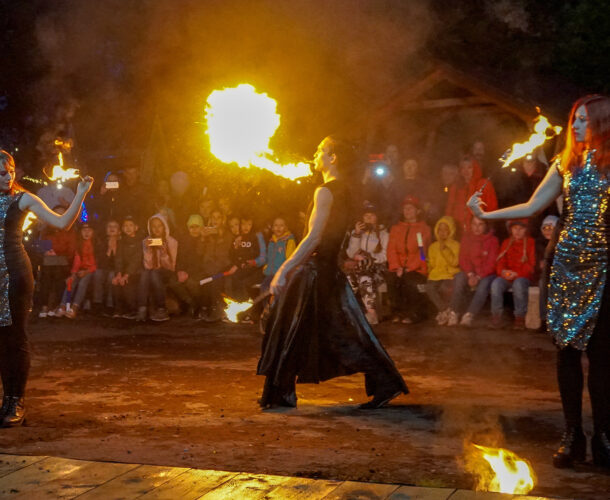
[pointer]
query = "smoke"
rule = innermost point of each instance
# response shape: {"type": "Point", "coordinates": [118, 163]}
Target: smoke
{"type": "Point", "coordinates": [326, 63]}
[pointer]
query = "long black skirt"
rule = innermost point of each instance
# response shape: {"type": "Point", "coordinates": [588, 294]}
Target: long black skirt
{"type": "Point", "coordinates": [316, 331]}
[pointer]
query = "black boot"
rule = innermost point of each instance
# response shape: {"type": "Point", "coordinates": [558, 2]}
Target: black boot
{"type": "Point", "coordinates": [573, 448]}
{"type": "Point", "coordinates": [4, 408]}
{"type": "Point", "coordinates": [600, 446]}
{"type": "Point", "coordinates": [15, 413]}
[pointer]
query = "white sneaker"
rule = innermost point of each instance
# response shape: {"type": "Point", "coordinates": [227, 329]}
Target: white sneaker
{"type": "Point", "coordinates": [442, 317]}
{"type": "Point", "coordinates": [452, 318]}
{"type": "Point", "coordinates": [467, 319]}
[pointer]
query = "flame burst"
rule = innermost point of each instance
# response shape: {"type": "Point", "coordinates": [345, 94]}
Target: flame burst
{"type": "Point", "coordinates": [500, 470]}
{"type": "Point", "coordinates": [234, 308]}
{"type": "Point", "coordinates": [28, 221]}
{"type": "Point", "coordinates": [543, 131]}
{"type": "Point", "coordinates": [61, 174]}
{"type": "Point", "coordinates": [240, 124]}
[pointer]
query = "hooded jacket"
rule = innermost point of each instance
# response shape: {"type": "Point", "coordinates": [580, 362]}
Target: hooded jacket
{"type": "Point", "coordinates": [403, 250]}
{"type": "Point", "coordinates": [369, 241]}
{"type": "Point", "coordinates": [518, 256]}
{"type": "Point", "coordinates": [278, 250]}
{"type": "Point", "coordinates": [460, 193]}
{"type": "Point", "coordinates": [160, 257]}
{"type": "Point", "coordinates": [478, 254]}
{"type": "Point", "coordinates": [444, 264]}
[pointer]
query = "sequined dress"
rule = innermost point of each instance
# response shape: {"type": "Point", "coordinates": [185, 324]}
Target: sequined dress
{"type": "Point", "coordinates": [316, 330]}
{"type": "Point", "coordinates": [578, 274]}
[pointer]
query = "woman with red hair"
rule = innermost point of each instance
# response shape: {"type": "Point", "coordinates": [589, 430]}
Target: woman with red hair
{"type": "Point", "coordinates": [578, 307]}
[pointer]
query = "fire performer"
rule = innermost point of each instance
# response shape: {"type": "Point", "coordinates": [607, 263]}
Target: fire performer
{"type": "Point", "coordinates": [578, 307]}
{"type": "Point", "coordinates": [17, 282]}
{"type": "Point", "coordinates": [316, 329]}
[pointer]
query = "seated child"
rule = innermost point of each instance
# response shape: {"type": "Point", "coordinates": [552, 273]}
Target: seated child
{"type": "Point", "coordinates": [128, 268]}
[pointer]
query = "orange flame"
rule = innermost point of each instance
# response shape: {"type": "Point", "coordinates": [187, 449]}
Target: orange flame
{"type": "Point", "coordinates": [27, 222]}
{"type": "Point", "coordinates": [61, 174]}
{"type": "Point", "coordinates": [234, 308]}
{"type": "Point", "coordinates": [500, 470]}
{"type": "Point", "coordinates": [543, 131]}
{"type": "Point", "coordinates": [240, 124]}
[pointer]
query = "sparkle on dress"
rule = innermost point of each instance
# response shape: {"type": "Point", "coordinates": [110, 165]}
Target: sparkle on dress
{"type": "Point", "coordinates": [6, 200]}
{"type": "Point", "coordinates": [578, 275]}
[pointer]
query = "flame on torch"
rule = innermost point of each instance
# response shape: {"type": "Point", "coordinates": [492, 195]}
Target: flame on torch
{"type": "Point", "coordinates": [27, 222]}
{"type": "Point", "coordinates": [240, 124]}
{"type": "Point", "coordinates": [234, 308]}
{"type": "Point", "coordinates": [543, 130]}
{"type": "Point", "coordinates": [500, 470]}
{"type": "Point", "coordinates": [61, 174]}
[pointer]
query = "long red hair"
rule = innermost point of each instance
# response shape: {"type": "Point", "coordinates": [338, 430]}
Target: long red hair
{"type": "Point", "coordinates": [7, 161]}
{"type": "Point", "coordinates": [598, 133]}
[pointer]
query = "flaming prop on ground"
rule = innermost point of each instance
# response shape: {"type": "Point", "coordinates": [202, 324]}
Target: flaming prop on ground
{"type": "Point", "coordinates": [240, 124]}
{"type": "Point", "coordinates": [234, 308]}
{"type": "Point", "coordinates": [499, 470]}
{"type": "Point", "coordinates": [543, 131]}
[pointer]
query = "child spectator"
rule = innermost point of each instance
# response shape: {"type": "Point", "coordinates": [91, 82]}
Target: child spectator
{"type": "Point", "coordinates": [280, 247]}
{"type": "Point", "coordinates": [185, 284]}
{"type": "Point", "coordinates": [216, 259]}
{"type": "Point", "coordinates": [233, 225]}
{"type": "Point", "coordinates": [159, 257]}
{"type": "Point", "coordinates": [515, 267]}
{"type": "Point", "coordinates": [443, 258]}
{"type": "Point", "coordinates": [407, 245]}
{"type": "Point", "coordinates": [469, 181]}
{"type": "Point", "coordinates": [367, 247]}
{"type": "Point", "coordinates": [128, 269]}
{"type": "Point", "coordinates": [544, 254]}
{"type": "Point", "coordinates": [105, 259]}
{"type": "Point", "coordinates": [478, 254]}
{"type": "Point", "coordinates": [248, 257]}
{"type": "Point", "coordinates": [55, 267]}
{"type": "Point", "coordinates": [81, 274]}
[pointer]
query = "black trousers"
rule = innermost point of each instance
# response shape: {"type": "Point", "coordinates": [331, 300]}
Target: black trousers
{"type": "Point", "coordinates": [405, 296]}
{"type": "Point", "coordinates": [571, 379]}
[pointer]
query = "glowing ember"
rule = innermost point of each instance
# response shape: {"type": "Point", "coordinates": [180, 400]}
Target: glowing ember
{"type": "Point", "coordinates": [500, 470]}
{"type": "Point", "coordinates": [543, 131]}
{"type": "Point", "coordinates": [240, 124]}
{"type": "Point", "coordinates": [234, 308]}
{"type": "Point", "coordinates": [61, 174]}
{"type": "Point", "coordinates": [27, 222]}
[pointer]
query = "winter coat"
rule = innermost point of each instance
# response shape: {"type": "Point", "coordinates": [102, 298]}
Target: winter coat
{"type": "Point", "coordinates": [216, 253]}
{"type": "Point", "coordinates": [128, 256]}
{"type": "Point", "coordinates": [84, 258]}
{"type": "Point", "coordinates": [247, 247]}
{"type": "Point", "coordinates": [368, 241]}
{"type": "Point", "coordinates": [403, 251]}
{"type": "Point", "coordinates": [444, 264]}
{"type": "Point", "coordinates": [190, 255]}
{"type": "Point", "coordinates": [518, 256]}
{"type": "Point", "coordinates": [160, 257]}
{"type": "Point", "coordinates": [63, 243]}
{"type": "Point", "coordinates": [460, 193]}
{"type": "Point", "coordinates": [278, 250]}
{"type": "Point", "coordinates": [478, 254]}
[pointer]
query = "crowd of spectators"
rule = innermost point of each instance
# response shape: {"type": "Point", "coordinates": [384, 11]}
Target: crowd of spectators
{"type": "Point", "coordinates": [150, 252]}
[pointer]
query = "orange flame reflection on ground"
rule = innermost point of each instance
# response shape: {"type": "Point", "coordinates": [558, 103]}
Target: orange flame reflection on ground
{"type": "Point", "coordinates": [500, 470]}
{"type": "Point", "coordinates": [234, 308]}
{"type": "Point", "coordinates": [240, 124]}
{"type": "Point", "coordinates": [543, 130]}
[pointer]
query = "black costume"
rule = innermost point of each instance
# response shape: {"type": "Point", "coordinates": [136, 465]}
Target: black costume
{"type": "Point", "coordinates": [316, 329]}
{"type": "Point", "coordinates": [16, 290]}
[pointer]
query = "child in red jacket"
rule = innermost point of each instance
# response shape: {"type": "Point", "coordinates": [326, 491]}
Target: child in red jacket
{"type": "Point", "coordinates": [407, 246]}
{"type": "Point", "coordinates": [515, 267]}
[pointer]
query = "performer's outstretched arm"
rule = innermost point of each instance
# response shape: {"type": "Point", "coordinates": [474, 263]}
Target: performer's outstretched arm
{"type": "Point", "coordinates": [547, 191]}
{"type": "Point", "coordinates": [322, 203]}
{"type": "Point", "coordinates": [33, 203]}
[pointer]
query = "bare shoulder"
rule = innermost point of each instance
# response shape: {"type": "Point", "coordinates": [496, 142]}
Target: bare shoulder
{"type": "Point", "coordinates": [27, 200]}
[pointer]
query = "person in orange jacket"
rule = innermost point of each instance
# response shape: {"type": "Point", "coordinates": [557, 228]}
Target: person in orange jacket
{"type": "Point", "coordinates": [515, 267]}
{"type": "Point", "coordinates": [407, 246]}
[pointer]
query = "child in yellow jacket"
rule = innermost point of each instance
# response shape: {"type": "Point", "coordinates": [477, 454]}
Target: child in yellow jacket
{"type": "Point", "coordinates": [443, 265]}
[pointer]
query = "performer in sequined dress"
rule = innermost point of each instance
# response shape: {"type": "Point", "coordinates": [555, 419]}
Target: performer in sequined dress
{"type": "Point", "coordinates": [17, 283]}
{"type": "Point", "coordinates": [578, 307]}
{"type": "Point", "coordinates": [316, 329]}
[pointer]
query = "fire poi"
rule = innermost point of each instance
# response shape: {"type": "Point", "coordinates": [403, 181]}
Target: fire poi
{"type": "Point", "coordinates": [234, 308]}
{"type": "Point", "coordinates": [240, 124]}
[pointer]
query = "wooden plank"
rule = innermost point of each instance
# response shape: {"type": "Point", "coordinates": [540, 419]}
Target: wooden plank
{"type": "Point", "coordinates": [246, 487]}
{"type": "Point", "coordinates": [191, 485]}
{"type": "Point", "coordinates": [418, 493]}
{"type": "Point", "coordinates": [12, 463]}
{"type": "Point", "coordinates": [300, 487]}
{"type": "Point", "coordinates": [362, 491]}
{"type": "Point", "coordinates": [480, 495]}
{"type": "Point", "coordinates": [89, 476]}
{"type": "Point", "coordinates": [134, 483]}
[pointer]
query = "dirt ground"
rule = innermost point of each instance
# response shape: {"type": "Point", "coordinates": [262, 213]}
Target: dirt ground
{"type": "Point", "coordinates": [185, 393]}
